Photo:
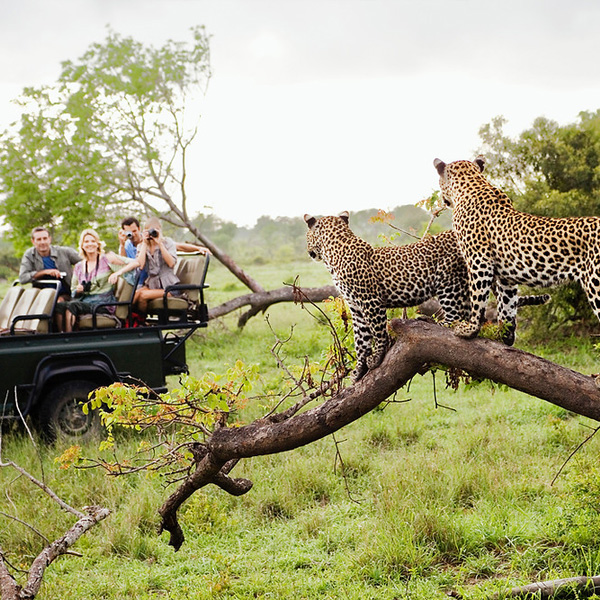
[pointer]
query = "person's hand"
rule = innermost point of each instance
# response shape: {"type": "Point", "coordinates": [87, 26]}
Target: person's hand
{"type": "Point", "coordinates": [79, 289]}
{"type": "Point", "coordinates": [113, 278]}
{"type": "Point", "coordinates": [54, 273]}
{"type": "Point", "coordinates": [122, 237]}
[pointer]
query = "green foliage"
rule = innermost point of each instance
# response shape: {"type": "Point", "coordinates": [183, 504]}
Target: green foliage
{"type": "Point", "coordinates": [580, 522]}
{"type": "Point", "coordinates": [549, 169]}
{"type": "Point", "coordinates": [427, 499]}
{"type": "Point", "coordinates": [108, 132]}
{"type": "Point", "coordinates": [179, 420]}
{"type": "Point", "coordinates": [9, 264]}
{"type": "Point", "coordinates": [554, 171]}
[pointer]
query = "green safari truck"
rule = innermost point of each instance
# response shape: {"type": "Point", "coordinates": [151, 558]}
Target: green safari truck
{"type": "Point", "coordinates": [46, 375]}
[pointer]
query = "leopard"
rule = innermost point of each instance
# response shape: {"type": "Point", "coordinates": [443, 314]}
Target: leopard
{"type": "Point", "coordinates": [374, 279]}
{"type": "Point", "coordinates": [503, 245]}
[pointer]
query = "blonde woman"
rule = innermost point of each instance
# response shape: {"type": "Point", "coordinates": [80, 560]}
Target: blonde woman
{"type": "Point", "coordinates": [94, 280]}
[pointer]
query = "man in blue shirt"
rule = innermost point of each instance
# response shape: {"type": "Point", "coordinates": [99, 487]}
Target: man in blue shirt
{"type": "Point", "coordinates": [130, 237]}
{"type": "Point", "coordinates": [45, 261]}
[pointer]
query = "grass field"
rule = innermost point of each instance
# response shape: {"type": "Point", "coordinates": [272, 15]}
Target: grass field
{"type": "Point", "coordinates": [427, 499]}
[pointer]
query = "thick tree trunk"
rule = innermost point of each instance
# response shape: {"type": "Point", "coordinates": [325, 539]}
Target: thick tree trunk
{"type": "Point", "coordinates": [260, 301]}
{"type": "Point", "coordinates": [417, 345]}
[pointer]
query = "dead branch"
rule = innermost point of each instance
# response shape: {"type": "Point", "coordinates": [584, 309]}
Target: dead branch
{"type": "Point", "coordinates": [260, 301]}
{"type": "Point", "coordinates": [9, 588]}
{"type": "Point", "coordinates": [547, 589]}
{"type": "Point", "coordinates": [417, 345]}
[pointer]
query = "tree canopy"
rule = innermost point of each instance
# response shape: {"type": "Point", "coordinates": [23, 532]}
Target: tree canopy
{"type": "Point", "coordinates": [114, 129]}
{"type": "Point", "coordinates": [549, 169]}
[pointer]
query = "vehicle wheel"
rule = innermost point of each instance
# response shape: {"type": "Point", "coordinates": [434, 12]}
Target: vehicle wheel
{"type": "Point", "coordinates": [60, 414]}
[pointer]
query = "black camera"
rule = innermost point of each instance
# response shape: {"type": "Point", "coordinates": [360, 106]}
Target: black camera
{"type": "Point", "coordinates": [153, 233]}
{"type": "Point", "coordinates": [87, 286]}
{"type": "Point", "coordinates": [128, 235]}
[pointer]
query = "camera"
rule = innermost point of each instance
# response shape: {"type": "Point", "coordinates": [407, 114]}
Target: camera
{"type": "Point", "coordinates": [87, 286]}
{"type": "Point", "coordinates": [128, 235]}
{"type": "Point", "coordinates": [153, 233]}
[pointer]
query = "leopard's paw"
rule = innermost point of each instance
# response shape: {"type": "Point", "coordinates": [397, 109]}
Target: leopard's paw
{"type": "Point", "coordinates": [465, 329]}
{"type": "Point", "coordinates": [359, 372]}
{"type": "Point", "coordinates": [375, 360]}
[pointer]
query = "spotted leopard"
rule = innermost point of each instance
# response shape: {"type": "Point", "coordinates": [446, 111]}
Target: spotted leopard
{"type": "Point", "coordinates": [374, 279]}
{"type": "Point", "coordinates": [504, 245]}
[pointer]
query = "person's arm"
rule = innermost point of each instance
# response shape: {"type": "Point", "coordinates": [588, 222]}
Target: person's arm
{"type": "Point", "coordinates": [128, 265]}
{"type": "Point", "coordinates": [122, 240]}
{"type": "Point", "coordinates": [28, 271]}
{"type": "Point", "coordinates": [74, 256]}
{"type": "Point", "coordinates": [169, 254]}
{"type": "Point", "coordinates": [141, 254]}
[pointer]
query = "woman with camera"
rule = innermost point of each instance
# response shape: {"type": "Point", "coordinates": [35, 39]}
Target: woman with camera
{"type": "Point", "coordinates": [94, 280]}
{"type": "Point", "coordinates": [157, 255]}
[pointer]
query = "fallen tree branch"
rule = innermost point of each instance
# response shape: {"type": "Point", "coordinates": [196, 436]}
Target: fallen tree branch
{"type": "Point", "coordinates": [547, 589]}
{"type": "Point", "coordinates": [417, 345]}
{"type": "Point", "coordinates": [9, 587]}
{"type": "Point", "coordinates": [260, 301]}
{"type": "Point", "coordinates": [87, 518]}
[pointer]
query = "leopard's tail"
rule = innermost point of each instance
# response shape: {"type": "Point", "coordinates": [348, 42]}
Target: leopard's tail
{"type": "Point", "coordinates": [533, 300]}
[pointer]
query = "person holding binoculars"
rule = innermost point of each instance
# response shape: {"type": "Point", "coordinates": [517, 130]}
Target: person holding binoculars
{"type": "Point", "coordinates": [157, 255]}
{"type": "Point", "coordinates": [94, 280]}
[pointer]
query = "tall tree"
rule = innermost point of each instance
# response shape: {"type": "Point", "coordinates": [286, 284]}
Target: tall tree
{"type": "Point", "coordinates": [115, 129]}
{"type": "Point", "coordinates": [548, 169]}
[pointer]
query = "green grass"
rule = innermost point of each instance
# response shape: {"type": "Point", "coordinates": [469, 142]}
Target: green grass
{"type": "Point", "coordinates": [426, 499]}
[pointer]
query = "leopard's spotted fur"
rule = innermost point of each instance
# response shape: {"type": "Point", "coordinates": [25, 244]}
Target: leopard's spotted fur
{"type": "Point", "coordinates": [504, 245]}
{"type": "Point", "coordinates": [374, 279]}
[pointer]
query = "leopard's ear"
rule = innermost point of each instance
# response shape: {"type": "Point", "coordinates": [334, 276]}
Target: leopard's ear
{"type": "Point", "coordinates": [440, 165]}
{"type": "Point", "coordinates": [310, 221]}
{"type": "Point", "coordinates": [480, 162]}
{"type": "Point", "coordinates": [345, 216]}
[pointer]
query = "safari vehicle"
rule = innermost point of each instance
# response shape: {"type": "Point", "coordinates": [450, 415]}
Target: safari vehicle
{"type": "Point", "coordinates": [46, 375]}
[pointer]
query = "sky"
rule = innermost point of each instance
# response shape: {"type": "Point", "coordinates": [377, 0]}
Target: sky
{"type": "Point", "coordinates": [321, 106]}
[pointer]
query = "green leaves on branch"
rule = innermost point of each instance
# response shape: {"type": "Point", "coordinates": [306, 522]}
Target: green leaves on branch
{"type": "Point", "coordinates": [549, 169]}
{"type": "Point", "coordinates": [177, 421]}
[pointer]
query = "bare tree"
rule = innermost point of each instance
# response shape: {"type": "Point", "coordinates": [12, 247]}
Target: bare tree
{"type": "Point", "coordinates": [89, 516]}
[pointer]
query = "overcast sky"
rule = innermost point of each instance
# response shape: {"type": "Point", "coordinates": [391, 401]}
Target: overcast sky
{"type": "Point", "coordinates": [320, 106]}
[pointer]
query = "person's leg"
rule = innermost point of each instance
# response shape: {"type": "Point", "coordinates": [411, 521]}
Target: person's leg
{"type": "Point", "coordinates": [70, 319]}
{"type": "Point", "coordinates": [143, 296]}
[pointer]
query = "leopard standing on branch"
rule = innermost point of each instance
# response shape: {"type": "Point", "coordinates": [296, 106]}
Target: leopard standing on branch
{"type": "Point", "coordinates": [509, 247]}
{"type": "Point", "coordinates": [372, 280]}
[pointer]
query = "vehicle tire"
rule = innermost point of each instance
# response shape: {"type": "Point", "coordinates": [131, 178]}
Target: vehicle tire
{"type": "Point", "coordinates": [61, 417]}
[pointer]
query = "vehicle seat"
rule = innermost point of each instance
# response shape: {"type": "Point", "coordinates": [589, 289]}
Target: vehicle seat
{"type": "Point", "coordinates": [191, 270]}
{"type": "Point", "coordinates": [7, 306]}
{"type": "Point", "coordinates": [39, 315]}
{"type": "Point", "coordinates": [124, 295]}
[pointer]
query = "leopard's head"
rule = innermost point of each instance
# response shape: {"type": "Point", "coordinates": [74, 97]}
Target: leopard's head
{"type": "Point", "coordinates": [318, 229]}
{"type": "Point", "coordinates": [454, 176]}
